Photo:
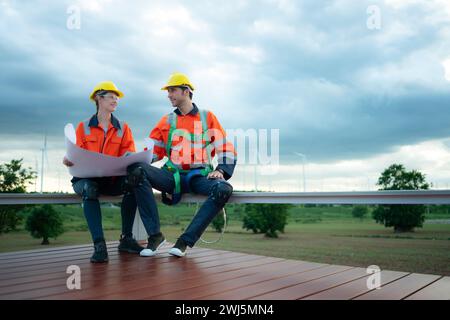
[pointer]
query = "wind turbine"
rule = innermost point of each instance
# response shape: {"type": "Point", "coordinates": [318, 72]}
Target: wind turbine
{"type": "Point", "coordinates": [303, 165]}
{"type": "Point", "coordinates": [256, 178]}
{"type": "Point", "coordinates": [35, 177]}
{"type": "Point", "coordinates": [44, 154]}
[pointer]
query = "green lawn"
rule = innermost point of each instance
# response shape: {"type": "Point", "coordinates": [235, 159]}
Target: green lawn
{"type": "Point", "coordinates": [351, 243]}
{"type": "Point", "coordinates": [319, 234]}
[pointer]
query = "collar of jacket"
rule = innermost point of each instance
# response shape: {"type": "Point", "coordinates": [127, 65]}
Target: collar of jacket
{"type": "Point", "coordinates": [114, 121]}
{"type": "Point", "coordinates": [193, 112]}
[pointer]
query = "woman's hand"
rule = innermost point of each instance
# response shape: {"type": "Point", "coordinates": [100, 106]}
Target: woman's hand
{"type": "Point", "coordinates": [215, 175]}
{"type": "Point", "coordinates": [67, 163]}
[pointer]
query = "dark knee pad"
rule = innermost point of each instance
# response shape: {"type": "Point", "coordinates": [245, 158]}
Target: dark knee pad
{"type": "Point", "coordinates": [126, 188]}
{"type": "Point", "coordinates": [135, 176]}
{"type": "Point", "coordinates": [90, 191]}
{"type": "Point", "coordinates": [221, 192]}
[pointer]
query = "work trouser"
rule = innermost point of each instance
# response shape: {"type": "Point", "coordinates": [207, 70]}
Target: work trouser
{"type": "Point", "coordinates": [218, 192]}
{"type": "Point", "coordinates": [90, 189]}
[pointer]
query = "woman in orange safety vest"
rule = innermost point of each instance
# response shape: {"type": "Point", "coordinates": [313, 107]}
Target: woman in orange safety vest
{"type": "Point", "coordinates": [104, 133]}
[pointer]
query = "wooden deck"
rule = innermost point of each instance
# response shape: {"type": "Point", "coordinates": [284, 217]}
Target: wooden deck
{"type": "Point", "coordinates": [202, 274]}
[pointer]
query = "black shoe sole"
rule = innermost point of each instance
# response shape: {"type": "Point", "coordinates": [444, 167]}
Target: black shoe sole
{"type": "Point", "coordinates": [99, 261]}
{"type": "Point", "coordinates": [130, 251]}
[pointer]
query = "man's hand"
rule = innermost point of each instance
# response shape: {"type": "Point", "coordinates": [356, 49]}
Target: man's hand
{"type": "Point", "coordinates": [67, 163]}
{"type": "Point", "coordinates": [215, 175]}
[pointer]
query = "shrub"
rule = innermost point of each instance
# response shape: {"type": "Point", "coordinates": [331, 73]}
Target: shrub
{"type": "Point", "coordinates": [359, 212]}
{"type": "Point", "coordinates": [44, 222]}
{"type": "Point", "coordinates": [218, 222]}
{"type": "Point", "coordinates": [266, 218]}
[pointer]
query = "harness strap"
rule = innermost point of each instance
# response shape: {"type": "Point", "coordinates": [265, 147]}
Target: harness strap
{"type": "Point", "coordinates": [170, 166]}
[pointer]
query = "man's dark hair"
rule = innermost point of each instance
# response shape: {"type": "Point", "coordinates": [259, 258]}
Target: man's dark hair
{"type": "Point", "coordinates": [190, 92]}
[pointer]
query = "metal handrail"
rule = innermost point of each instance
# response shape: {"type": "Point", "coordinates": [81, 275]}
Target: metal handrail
{"type": "Point", "coordinates": [354, 197]}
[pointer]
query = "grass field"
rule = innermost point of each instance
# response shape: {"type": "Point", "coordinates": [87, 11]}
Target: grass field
{"type": "Point", "coordinates": [319, 234]}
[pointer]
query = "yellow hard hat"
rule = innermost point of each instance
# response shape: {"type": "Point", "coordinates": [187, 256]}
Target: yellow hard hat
{"type": "Point", "coordinates": [178, 80]}
{"type": "Point", "coordinates": [108, 86]}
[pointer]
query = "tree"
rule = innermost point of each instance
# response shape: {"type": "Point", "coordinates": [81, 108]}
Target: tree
{"type": "Point", "coordinates": [359, 212]}
{"type": "Point", "coordinates": [266, 218]}
{"type": "Point", "coordinates": [13, 179]}
{"type": "Point", "coordinates": [44, 222]}
{"type": "Point", "coordinates": [403, 218]}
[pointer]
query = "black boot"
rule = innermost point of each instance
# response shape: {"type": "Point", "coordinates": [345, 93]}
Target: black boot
{"type": "Point", "coordinates": [129, 244]}
{"type": "Point", "coordinates": [100, 252]}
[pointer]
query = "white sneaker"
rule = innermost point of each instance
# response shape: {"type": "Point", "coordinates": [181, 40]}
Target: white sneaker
{"type": "Point", "coordinates": [149, 252]}
{"type": "Point", "coordinates": [179, 249]}
{"type": "Point", "coordinates": [177, 252]}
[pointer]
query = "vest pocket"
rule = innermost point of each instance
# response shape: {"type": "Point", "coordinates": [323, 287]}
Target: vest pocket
{"type": "Point", "coordinates": [115, 140]}
{"type": "Point", "coordinates": [113, 146]}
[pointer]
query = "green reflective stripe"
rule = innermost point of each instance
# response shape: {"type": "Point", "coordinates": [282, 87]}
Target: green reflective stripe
{"type": "Point", "coordinates": [187, 135]}
{"type": "Point", "coordinates": [200, 166]}
{"type": "Point", "coordinates": [194, 138]}
{"type": "Point", "coordinates": [173, 167]}
{"type": "Point", "coordinates": [172, 119]}
{"type": "Point", "coordinates": [176, 175]}
{"type": "Point", "coordinates": [180, 146]}
{"type": "Point", "coordinates": [206, 171]}
{"type": "Point", "coordinates": [203, 118]}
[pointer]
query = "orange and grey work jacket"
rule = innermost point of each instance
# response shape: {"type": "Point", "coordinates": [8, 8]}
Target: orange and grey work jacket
{"type": "Point", "coordinates": [115, 141]}
{"type": "Point", "coordinates": [189, 154]}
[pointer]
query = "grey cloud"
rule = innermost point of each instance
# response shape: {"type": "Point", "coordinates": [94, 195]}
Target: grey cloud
{"type": "Point", "coordinates": [306, 84]}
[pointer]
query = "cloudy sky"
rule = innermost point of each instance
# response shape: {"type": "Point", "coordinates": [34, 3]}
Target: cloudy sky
{"type": "Point", "coordinates": [352, 85]}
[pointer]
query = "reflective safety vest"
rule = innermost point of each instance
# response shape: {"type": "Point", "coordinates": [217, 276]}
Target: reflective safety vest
{"type": "Point", "coordinates": [169, 165]}
{"type": "Point", "coordinates": [116, 141]}
{"type": "Point", "coordinates": [189, 142]}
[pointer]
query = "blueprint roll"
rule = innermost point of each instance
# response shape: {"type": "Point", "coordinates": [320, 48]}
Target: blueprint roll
{"type": "Point", "coordinates": [88, 164]}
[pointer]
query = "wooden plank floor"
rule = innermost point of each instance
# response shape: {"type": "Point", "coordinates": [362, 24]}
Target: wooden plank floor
{"type": "Point", "coordinates": [202, 274]}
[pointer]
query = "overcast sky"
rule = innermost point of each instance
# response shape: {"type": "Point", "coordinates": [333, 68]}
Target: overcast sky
{"type": "Point", "coordinates": [352, 93]}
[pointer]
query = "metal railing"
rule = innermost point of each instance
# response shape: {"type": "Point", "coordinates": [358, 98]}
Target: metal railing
{"type": "Point", "coordinates": [364, 197]}
{"type": "Point", "coordinates": [369, 197]}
